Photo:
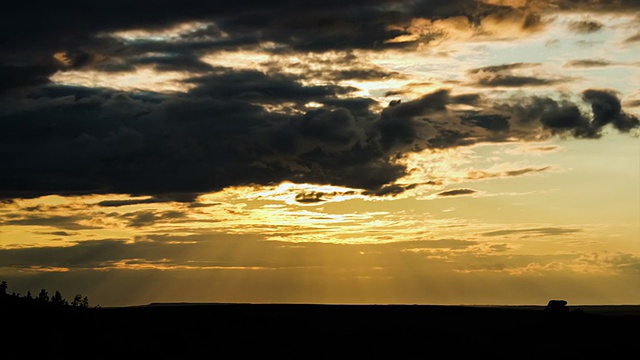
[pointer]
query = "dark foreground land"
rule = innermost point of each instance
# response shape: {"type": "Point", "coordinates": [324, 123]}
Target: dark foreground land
{"type": "Point", "coordinates": [257, 331]}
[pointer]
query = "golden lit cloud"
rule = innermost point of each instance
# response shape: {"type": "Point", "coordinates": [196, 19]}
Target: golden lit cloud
{"type": "Point", "coordinates": [512, 3]}
{"type": "Point", "coordinates": [194, 30]}
{"type": "Point", "coordinates": [165, 264]}
{"type": "Point", "coordinates": [140, 79]}
{"type": "Point", "coordinates": [305, 194]}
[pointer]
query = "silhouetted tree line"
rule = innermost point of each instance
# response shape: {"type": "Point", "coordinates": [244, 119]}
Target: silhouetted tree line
{"type": "Point", "coordinates": [43, 298]}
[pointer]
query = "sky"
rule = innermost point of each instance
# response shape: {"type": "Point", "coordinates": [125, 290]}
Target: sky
{"type": "Point", "coordinates": [464, 152]}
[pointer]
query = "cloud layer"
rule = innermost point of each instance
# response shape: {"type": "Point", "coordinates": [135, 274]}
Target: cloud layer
{"type": "Point", "coordinates": [238, 126]}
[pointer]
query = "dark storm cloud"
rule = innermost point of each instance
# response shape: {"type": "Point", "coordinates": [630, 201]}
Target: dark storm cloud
{"type": "Point", "coordinates": [402, 124]}
{"type": "Point", "coordinates": [84, 34]}
{"type": "Point", "coordinates": [81, 33]}
{"type": "Point", "coordinates": [16, 77]}
{"type": "Point", "coordinates": [310, 25]}
{"type": "Point", "coordinates": [213, 137]}
{"type": "Point", "coordinates": [254, 85]}
{"type": "Point", "coordinates": [467, 99]}
{"type": "Point", "coordinates": [224, 132]}
{"type": "Point", "coordinates": [607, 109]}
{"type": "Point", "coordinates": [496, 123]}
{"type": "Point", "coordinates": [565, 117]}
{"type": "Point", "coordinates": [557, 116]}
{"type": "Point", "coordinates": [117, 203]}
{"type": "Point", "coordinates": [173, 147]}
{"type": "Point", "coordinates": [174, 62]}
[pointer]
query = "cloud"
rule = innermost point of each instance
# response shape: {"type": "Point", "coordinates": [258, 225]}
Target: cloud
{"type": "Point", "coordinates": [565, 117]}
{"type": "Point", "coordinates": [18, 77]}
{"type": "Point", "coordinates": [74, 222]}
{"type": "Point", "coordinates": [117, 203]}
{"type": "Point", "coordinates": [174, 62]}
{"type": "Point", "coordinates": [58, 233]}
{"type": "Point", "coordinates": [633, 39]}
{"type": "Point", "coordinates": [482, 174]}
{"type": "Point", "coordinates": [390, 190]}
{"type": "Point", "coordinates": [173, 147]}
{"type": "Point", "coordinates": [503, 76]}
{"type": "Point", "coordinates": [632, 103]}
{"type": "Point", "coordinates": [569, 6]}
{"type": "Point", "coordinates": [456, 192]}
{"type": "Point", "coordinates": [586, 63]}
{"type": "Point", "coordinates": [105, 36]}
{"type": "Point", "coordinates": [217, 126]}
{"type": "Point", "coordinates": [532, 148]}
{"type": "Point", "coordinates": [557, 116]}
{"type": "Point", "coordinates": [95, 254]}
{"type": "Point", "coordinates": [478, 22]}
{"type": "Point", "coordinates": [502, 80]}
{"type": "Point", "coordinates": [213, 251]}
{"type": "Point", "coordinates": [148, 218]}
{"type": "Point", "coordinates": [607, 109]}
{"type": "Point", "coordinates": [585, 26]}
{"type": "Point", "coordinates": [310, 197]}
{"type": "Point", "coordinates": [502, 67]}
{"type": "Point", "coordinates": [536, 232]}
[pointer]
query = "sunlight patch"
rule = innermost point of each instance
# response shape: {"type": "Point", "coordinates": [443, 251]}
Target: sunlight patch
{"type": "Point", "coordinates": [46, 269]}
{"type": "Point", "coordinates": [306, 194]}
{"type": "Point", "coordinates": [141, 79]}
{"type": "Point", "coordinates": [165, 264]}
{"type": "Point", "coordinates": [194, 30]}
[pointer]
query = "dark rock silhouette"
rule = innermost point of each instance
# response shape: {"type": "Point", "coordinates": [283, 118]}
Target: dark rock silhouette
{"type": "Point", "coordinates": [557, 307]}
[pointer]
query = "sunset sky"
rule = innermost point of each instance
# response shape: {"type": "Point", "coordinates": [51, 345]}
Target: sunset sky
{"type": "Point", "coordinates": [351, 151]}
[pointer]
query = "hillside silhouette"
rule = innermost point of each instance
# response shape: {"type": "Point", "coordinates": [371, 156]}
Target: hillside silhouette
{"type": "Point", "coordinates": [310, 331]}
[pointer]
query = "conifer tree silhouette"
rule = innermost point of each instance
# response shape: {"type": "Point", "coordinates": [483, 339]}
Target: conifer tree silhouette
{"type": "Point", "coordinates": [43, 296]}
{"type": "Point", "coordinates": [57, 299]}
